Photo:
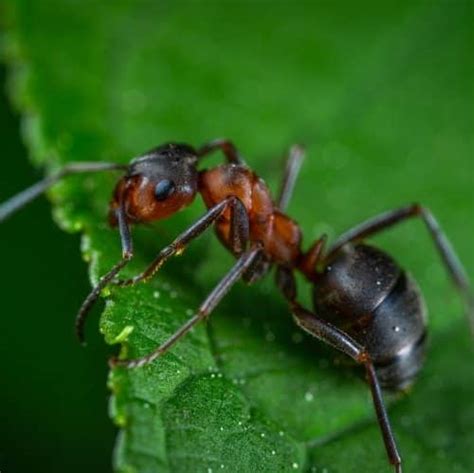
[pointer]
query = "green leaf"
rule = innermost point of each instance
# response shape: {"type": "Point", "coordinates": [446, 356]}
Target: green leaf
{"type": "Point", "coordinates": [382, 96]}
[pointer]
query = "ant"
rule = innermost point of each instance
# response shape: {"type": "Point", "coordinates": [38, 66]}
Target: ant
{"type": "Point", "coordinates": [365, 305]}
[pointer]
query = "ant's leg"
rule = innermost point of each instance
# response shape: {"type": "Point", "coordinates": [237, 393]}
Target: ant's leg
{"type": "Point", "coordinates": [239, 226]}
{"type": "Point", "coordinates": [285, 281]}
{"type": "Point", "coordinates": [127, 254]}
{"type": "Point", "coordinates": [209, 304]}
{"type": "Point", "coordinates": [292, 168]}
{"type": "Point", "coordinates": [18, 201]}
{"type": "Point", "coordinates": [308, 263]}
{"type": "Point", "coordinates": [239, 232]}
{"type": "Point", "coordinates": [448, 255]}
{"type": "Point", "coordinates": [259, 268]}
{"type": "Point", "coordinates": [338, 339]}
{"type": "Point", "coordinates": [226, 146]}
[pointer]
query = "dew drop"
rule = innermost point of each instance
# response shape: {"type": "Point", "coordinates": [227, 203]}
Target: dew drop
{"type": "Point", "coordinates": [273, 452]}
{"type": "Point", "coordinates": [281, 433]}
{"type": "Point", "coordinates": [323, 363]}
{"type": "Point", "coordinates": [295, 465]}
{"type": "Point", "coordinates": [297, 337]}
{"type": "Point", "coordinates": [309, 396]}
{"type": "Point", "coordinates": [262, 434]}
{"type": "Point", "coordinates": [270, 337]}
{"type": "Point", "coordinates": [156, 294]}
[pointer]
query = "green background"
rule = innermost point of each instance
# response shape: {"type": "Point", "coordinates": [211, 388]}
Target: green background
{"type": "Point", "coordinates": [381, 95]}
{"type": "Point", "coordinates": [53, 414]}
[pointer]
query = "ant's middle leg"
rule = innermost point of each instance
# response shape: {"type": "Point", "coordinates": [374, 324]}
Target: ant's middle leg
{"type": "Point", "coordinates": [205, 309]}
{"type": "Point", "coordinates": [292, 169]}
{"type": "Point", "coordinates": [239, 237]}
{"type": "Point", "coordinates": [448, 255]}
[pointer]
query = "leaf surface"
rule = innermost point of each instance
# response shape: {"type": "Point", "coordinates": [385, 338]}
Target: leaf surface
{"type": "Point", "coordinates": [383, 99]}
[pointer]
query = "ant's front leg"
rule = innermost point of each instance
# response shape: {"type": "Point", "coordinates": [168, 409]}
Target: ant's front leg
{"type": "Point", "coordinates": [212, 300]}
{"type": "Point", "coordinates": [239, 237]}
{"type": "Point", "coordinates": [127, 254]}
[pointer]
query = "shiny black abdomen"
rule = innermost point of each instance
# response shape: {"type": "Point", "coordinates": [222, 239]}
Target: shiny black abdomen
{"type": "Point", "coordinates": [363, 291]}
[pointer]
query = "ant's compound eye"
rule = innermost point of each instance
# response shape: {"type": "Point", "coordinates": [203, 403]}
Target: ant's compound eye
{"type": "Point", "coordinates": [164, 189]}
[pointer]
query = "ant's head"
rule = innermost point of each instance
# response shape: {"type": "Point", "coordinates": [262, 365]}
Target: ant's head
{"type": "Point", "coordinates": [157, 184]}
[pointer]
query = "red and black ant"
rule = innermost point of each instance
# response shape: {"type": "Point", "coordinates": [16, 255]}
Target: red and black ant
{"type": "Point", "coordinates": [365, 305]}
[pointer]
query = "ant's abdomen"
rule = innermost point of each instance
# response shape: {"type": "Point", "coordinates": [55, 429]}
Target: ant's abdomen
{"type": "Point", "coordinates": [399, 325]}
{"type": "Point", "coordinates": [364, 292]}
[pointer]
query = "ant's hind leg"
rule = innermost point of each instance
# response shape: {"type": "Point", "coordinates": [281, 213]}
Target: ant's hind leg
{"type": "Point", "coordinates": [448, 255]}
{"type": "Point", "coordinates": [204, 310]}
{"type": "Point", "coordinates": [338, 339]}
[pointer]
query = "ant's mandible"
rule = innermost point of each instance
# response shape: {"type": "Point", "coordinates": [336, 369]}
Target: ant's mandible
{"type": "Point", "coordinates": [365, 305]}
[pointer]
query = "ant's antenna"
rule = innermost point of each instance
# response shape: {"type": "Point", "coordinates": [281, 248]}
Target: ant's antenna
{"type": "Point", "coordinates": [20, 200]}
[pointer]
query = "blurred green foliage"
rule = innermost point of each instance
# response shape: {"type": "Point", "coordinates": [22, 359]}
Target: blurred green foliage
{"type": "Point", "coordinates": [382, 96]}
{"type": "Point", "coordinates": [53, 398]}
